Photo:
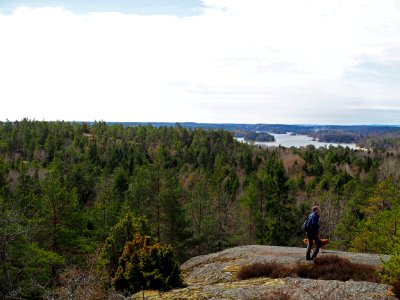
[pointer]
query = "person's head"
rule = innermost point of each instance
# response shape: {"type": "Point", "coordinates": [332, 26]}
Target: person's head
{"type": "Point", "coordinates": [316, 209]}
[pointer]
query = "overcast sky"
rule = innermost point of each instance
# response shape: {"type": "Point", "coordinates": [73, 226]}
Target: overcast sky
{"type": "Point", "coordinates": [219, 61]}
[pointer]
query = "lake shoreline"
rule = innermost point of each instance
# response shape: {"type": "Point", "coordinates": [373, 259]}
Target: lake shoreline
{"type": "Point", "coordinates": [293, 140]}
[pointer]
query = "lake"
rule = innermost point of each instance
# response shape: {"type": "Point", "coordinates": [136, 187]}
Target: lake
{"type": "Point", "coordinates": [288, 140]}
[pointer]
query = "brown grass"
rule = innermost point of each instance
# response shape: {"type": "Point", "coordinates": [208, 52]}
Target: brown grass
{"type": "Point", "coordinates": [326, 267]}
{"type": "Point", "coordinates": [273, 270]}
{"type": "Point", "coordinates": [333, 267]}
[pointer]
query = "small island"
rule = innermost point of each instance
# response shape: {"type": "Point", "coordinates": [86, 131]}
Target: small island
{"type": "Point", "coordinates": [259, 137]}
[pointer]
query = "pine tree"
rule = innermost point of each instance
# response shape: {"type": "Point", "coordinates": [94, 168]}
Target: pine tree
{"type": "Point", "coordinates": [121, 233]}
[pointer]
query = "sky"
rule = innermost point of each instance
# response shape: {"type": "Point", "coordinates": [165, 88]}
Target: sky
{"type": "Point", "coordinates": [209, 61]}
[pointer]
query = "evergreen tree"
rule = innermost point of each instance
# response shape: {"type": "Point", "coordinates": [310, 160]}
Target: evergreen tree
{"type": "Point", "coordinates": [145, 264]}
{"type": "Point", "coordinates": [121, 233]}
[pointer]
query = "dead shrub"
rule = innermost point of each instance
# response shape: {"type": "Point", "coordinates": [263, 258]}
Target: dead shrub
{"type": "Point", "coordinates": [333, 267]}
{"type": "Point", "coordinates": [273, 270]}
{"type": "Point", "coordinates": [326, 267]}
{"type": "Point", "coordinates": [306, 271]}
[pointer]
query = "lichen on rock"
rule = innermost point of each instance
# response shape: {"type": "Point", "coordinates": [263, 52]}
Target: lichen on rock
{"type": "Point", "coordinates": [213, 276]}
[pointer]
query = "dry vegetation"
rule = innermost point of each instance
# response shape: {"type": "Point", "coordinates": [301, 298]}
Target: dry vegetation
{"type": "Point", "coordinates": [327, 267]}
{"type": "Point", "coordinates": [272, 269]}
{"type": "Point", "coordinates": [396, 288]}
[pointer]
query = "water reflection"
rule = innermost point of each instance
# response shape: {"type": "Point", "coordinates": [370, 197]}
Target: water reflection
{"type": "Point", "coordinates": [288, 140]}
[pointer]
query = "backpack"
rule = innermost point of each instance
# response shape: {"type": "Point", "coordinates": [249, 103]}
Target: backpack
{"type": "Point", "coordinates": [307, 226]}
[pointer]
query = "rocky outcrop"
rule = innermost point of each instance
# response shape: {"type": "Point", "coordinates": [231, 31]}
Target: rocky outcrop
{"type": "Point", "coordinates": [213, 276]}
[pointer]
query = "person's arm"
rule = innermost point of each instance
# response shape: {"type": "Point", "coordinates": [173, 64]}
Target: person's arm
{"type": "Point", "coordinates": [317, 226]}
{"type": "Point", "coordinates": [315, 223]}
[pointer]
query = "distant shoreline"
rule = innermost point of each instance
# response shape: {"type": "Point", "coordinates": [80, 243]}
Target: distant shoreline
{"type": "Point", "coordinates": [289, 140]}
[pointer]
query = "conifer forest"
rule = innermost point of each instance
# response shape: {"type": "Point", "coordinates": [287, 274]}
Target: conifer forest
{"type": "Point", "coordinates": [77, 199]}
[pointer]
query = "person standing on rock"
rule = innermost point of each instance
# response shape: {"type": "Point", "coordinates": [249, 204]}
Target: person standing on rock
{"type": "Point", "coordinates": [313, 232]}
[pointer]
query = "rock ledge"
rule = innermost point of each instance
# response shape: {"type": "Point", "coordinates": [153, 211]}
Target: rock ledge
{"type": "Point", "coordinates": [213, 276]}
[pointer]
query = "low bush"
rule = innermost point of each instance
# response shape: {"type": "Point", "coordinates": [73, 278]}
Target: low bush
{"type": "Point", "coordinates": [146, 264]}
{"type": "Point", "coordinates": [305, 271]}
{"type": "Point", "coordinates": [326, 267]}
{"type": "Point", "coordinates": [390, 273]}
{"type": "Point", "coordinates": [333, 267]}
{"type": "Point", "coordinates": [273, 270]}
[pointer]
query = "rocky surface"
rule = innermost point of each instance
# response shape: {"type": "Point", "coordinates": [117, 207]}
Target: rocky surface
{"type": "Point", "coordinates": [213, 276]}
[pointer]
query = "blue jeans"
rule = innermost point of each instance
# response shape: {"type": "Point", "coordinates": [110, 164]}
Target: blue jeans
{"type": "Point", "coordinates": [313, 237]}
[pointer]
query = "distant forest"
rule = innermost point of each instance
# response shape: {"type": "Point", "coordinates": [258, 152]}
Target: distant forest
{"type": "Point", "coordinates": [254, 136]}
{"type": "Point", "coordinates": [359, 134]}
{"type": "Point", "coordinates": [72, 195]}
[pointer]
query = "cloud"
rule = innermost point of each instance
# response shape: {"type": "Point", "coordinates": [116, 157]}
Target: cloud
{"type": "Point", "coordinates": [142, 7]}
{"type": "Point", "coordinates": [239, 61]}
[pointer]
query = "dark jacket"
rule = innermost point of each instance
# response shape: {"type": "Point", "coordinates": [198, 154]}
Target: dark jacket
{"type": "Point", "coordinates": [314, 218]}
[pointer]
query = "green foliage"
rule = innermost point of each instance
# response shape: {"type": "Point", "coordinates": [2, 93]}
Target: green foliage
{"type": "Point", "coordinates": [68, 189]}
{"type": "Point", "coordinates": [32, 264]}
{"type": "Point", "coordinates": [391, 271]}
{"type": "Point", "coordinates": [252, 206]}
{"type": "Point", "coordinates": [145, 264]}
{"type": "Point", "coordinates": [379, 234]}
{"type": "Point", "coordinates": [200, 213]}
{"type": "Point", "coordinates": [25, 265]}
{"type": "Point", "coordinates": [272, 210]}
{"type": "Point", "coordinates": [379, 230]}
{"type": "Point", "coordinates": [61, 217]}
{"type": "Point", "coordinates": [120, 182]}
{"type": "Point", "coordinates": [259, 136]}
{"type": "Point", "coordinates": [121, 233]}
{"type": "Point", "coordinates": [106, 209]}
{"type": "Point", "coordinates": [313, 164]}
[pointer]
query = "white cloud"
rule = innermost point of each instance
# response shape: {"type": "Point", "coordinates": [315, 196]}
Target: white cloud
{"type": "Point", "coordinates": [240, 61]}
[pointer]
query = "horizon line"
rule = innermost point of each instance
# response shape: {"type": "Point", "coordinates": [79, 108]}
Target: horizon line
{"type": "Point", "coordinates": [205, 123]}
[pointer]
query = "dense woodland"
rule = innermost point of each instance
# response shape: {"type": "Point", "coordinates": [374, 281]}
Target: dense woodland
{"type": "Point", "coordinates": [360, 134]}
{"type": "Point", "coordinates": [73, 194]}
